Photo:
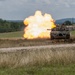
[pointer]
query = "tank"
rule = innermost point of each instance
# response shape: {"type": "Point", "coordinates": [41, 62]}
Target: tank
{"type": "Point", "coordinates": [60, 32]}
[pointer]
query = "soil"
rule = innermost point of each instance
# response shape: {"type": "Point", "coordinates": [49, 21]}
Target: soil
{"type": "Point", "coordinates": [21, 42]}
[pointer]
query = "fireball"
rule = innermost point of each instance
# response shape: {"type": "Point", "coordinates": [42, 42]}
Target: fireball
{"type": "Point", "coordinates": [37, 26]}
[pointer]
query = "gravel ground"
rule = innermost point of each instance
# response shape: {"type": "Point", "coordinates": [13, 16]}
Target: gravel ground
{"type": "Point", "coordinates": [13, 49]}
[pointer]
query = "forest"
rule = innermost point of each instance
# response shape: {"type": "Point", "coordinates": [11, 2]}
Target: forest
{"type": "Point", "coordinates": [10, 26]}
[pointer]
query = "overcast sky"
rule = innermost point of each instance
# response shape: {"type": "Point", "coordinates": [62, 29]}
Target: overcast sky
{"type": "Point", "coordinates": [20, 9]}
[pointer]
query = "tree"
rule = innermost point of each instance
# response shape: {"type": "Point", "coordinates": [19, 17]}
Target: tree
{"type": "Point", "coordinates": [67, 23]}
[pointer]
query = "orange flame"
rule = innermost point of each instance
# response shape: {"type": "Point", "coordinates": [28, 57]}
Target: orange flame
{"type": "Point", "coordinates": [37, 25]}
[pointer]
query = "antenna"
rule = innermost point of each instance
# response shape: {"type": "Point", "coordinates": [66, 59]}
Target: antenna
{"type": "Point", "coordinates": [72, 21]}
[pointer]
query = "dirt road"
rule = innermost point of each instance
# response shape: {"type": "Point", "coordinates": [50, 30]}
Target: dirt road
{"type": "Point", "coordinates": [13, 49]}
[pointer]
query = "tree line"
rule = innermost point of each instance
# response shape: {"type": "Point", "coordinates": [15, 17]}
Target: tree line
{"type": "Point", "coordinates": [10, 26]}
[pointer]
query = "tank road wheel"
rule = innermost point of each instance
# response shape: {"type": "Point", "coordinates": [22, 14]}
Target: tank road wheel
{"type": "Point", "coordinates": [68, 36]}
{"type": "Point", "coordinates": [52, 37]}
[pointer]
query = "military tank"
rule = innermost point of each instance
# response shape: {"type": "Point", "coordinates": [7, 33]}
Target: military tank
{"type": "Point", "coordinates": [60, 32]}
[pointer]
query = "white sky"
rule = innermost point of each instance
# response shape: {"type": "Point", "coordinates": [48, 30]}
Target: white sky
{"type": "Point", "coordinates": [20, 9]}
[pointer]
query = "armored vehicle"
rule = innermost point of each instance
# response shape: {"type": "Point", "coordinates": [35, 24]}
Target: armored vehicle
{"type": "Point", "coordinates": [60, 32]}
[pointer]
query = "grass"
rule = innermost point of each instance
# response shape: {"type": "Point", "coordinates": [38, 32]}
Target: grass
{"type": "Point", "coordinates": [45, 70]}
{"type": "Point", "coordinates": [53, 61]}
{"type": "Point", "coordinates": [73, 32]}
{"type": "Point", "coordinates": [38, 57]}
{"type": "Point", "coordinates": [17, 34]}
{"type": "Point", "coordinates": [15, 39]}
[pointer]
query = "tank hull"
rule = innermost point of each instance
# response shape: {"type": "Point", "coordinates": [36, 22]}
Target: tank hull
{"type": "Point", "coordinates": [60, 33]}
